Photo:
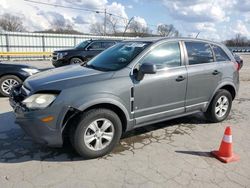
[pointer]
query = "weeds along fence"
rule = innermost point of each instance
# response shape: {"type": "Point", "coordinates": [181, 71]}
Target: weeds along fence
{"type": "Point", "coordinates": [35, 46]}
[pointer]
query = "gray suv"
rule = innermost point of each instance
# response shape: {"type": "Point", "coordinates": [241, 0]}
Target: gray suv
{"type": "Point", "coordinates": [132, 84]}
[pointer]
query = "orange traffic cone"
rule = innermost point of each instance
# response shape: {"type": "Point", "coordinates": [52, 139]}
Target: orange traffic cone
{"type": "Point", "coordinates": [225, 153]}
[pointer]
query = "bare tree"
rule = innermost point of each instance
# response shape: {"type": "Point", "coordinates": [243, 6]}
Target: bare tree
{"type": "Point", "coordinates": [138, 29]}
{"type": "Point", "coordinates": [97, 28]}
{"type": "Point", "coordinates": [10, 22]}
{"type": "Point", "coordinates": [60, 26]}
{"type": "Point", "coordinates": [167, 30]}
{"type": "Point", "coordinates": [238, 40]}
{"type": "Point", "coordinates": [112, 24]}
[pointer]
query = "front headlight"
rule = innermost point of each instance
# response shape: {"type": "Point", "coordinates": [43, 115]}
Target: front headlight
{"type": "Point", "coordinates": [30, 70]}
{"type": "Point", "coordinates": [39, 101]}
{"type": "Point", "coordinates": [60, 55]}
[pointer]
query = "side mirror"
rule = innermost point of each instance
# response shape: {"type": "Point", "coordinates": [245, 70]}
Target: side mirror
{"type": "Point", "coordinates": [89, 48]}
{"type": "Point", "coordinates": [146, 68]}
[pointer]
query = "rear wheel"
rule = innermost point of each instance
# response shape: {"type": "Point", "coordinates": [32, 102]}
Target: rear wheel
{"type": "Point", "coordinates": [75, 60]}
{"type": "Point", "coordinates": [97, 133]}
{"type": "Point", "coordinates": [220, 106]}
{"type": "Point", "coordinates": [7, 82]}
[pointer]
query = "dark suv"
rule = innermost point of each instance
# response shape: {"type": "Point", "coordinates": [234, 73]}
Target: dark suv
{"type": "Point", "coordinates": [81, 53]}
{"type": "Point", "coordinates": [132, 84]}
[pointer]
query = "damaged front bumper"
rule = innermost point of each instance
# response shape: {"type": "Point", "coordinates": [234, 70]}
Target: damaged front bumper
{"type": "Point", "coordinates": [49, 133]}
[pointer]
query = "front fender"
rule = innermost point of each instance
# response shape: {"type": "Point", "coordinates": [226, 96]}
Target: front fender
{"type": "Point", "coordinates": [88, 101]}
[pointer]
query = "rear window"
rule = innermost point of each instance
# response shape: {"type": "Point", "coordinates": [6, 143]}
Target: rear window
{"type": "Point", "coordinates": [219, 53]}
{"type": "Point", "coordinates": [199, 53]}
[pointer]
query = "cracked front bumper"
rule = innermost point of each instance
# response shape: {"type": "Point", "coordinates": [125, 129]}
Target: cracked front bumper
{"type": "Point", "coordinates": [48, 133]}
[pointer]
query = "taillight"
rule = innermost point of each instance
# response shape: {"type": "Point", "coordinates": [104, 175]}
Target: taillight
{"type": "Point", "coordinates": [237, 66]}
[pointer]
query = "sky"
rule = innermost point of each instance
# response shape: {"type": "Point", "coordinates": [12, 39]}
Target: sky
{"type": "Point", "coordinates": [214, 19]}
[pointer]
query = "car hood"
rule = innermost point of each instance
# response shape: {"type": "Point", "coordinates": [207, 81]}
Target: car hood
{"type": "Point", "coordinates": [67, 50]}
{"type": "Point", "coordinates": [5, 65]}
{"type": "Point", "coordinates": [64, 77]}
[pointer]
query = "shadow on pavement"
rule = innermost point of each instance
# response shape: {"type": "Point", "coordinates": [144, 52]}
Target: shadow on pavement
{"type": "Point", "coordinates": [198, 153]}
{"type": "Point", "coordinates": [16, 147]}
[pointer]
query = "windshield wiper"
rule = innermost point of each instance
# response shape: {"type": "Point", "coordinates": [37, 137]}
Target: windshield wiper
{"type": "Point", "coordinates": [97, 68]}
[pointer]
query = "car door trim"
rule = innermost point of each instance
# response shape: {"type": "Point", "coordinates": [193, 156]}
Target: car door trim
{"type": "Point", "coordinates": [159, 115]}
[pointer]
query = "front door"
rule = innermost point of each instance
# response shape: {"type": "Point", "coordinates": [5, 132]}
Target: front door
{"type": "Point", "coordinates": [94, 49]}
{"type": "Point", "coordinates": [158, 96]}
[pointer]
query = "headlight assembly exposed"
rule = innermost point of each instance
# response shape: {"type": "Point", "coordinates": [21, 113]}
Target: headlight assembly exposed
{"type": "Point", "coordinates": [39, 101]}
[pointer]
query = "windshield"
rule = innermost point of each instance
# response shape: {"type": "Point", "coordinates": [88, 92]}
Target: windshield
{"type": "Point", "coordinates": [118, 56]}
{"type": "Point", "coordinates": [82, 44]}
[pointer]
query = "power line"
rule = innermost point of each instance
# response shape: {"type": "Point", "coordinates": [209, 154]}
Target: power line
{"type": "Point", "coordinates": [84, 9]}
{"type": "Point", "coordinates": [62, 6]}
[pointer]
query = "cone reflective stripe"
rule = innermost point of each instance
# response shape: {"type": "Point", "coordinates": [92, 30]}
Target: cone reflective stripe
{"type": "Point", "coordinates": [225, 153]}
{"type": "Point", "coordinates": [228, 138]}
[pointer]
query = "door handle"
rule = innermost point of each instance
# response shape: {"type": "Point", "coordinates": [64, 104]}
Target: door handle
{"type": "Point", "coordinates": [180, 78]}
{"type": "Point", "coordinates": [216, 72]}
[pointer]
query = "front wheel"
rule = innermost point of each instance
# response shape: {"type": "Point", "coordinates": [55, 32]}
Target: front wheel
{"type": "Point", "coordinates": [220, 106]}
{"type": "Point", "coordinates": [97, 133]}
{"type": "Point", "coordinates": [7, 82]}
{"type": "Point", "coordinates": [75, 60]}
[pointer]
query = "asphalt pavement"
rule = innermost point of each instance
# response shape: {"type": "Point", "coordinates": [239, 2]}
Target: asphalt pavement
{"type": "Point", "coordinates": [173, 153]}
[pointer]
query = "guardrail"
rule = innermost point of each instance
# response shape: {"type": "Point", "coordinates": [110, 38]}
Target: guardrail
{"type": "Point", "coordinates": [6, 54]}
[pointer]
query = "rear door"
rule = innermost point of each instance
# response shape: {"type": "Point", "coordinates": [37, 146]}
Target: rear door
{"type": "Point", "coordinates": [204, 74]}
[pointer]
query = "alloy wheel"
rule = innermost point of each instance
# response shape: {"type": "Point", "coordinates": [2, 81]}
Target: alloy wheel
{"type": "Point", "coordinates": [8, 84]}
{"type": "Point", "coordinates": [99, 134]}
{"type": "Point", "coordinates": [221, 106]}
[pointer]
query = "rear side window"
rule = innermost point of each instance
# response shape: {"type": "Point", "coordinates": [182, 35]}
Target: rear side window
{"type": "Point", "coordinates": [95, 46]}
{"type": "Point", "coordinates": [199, 53]}
{"type": "Point", "coordinates": [164, 55]}
{"type": "Point", "coordinates": [107, 44]}
{"type": "Point", "coordinates": [220, 55]}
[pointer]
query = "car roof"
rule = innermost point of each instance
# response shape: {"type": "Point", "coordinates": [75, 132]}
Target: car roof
{"type": "Point", "coordinates": [156, 39]}
{"type": "Point", "coordinates": [104, 40]}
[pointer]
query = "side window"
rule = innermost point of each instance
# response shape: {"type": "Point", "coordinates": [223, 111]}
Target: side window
{"type": "Point", "coordinates": [164, 55]}
{"type": "Point", "coordinates": [199, 52]}
{"type": "Point", "coordinates": [220, 55]}
{"type": "Point", "coordinates": [107, 44]}
{"type": "Point", "coordinates": [95, 46]}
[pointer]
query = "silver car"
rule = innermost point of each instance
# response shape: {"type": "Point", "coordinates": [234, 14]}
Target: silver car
{"type": "Point", "coordinates": [132, 84]}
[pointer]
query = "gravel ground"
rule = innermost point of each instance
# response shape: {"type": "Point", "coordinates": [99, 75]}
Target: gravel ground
{"type": "Point", "coordinates": [174, 153]}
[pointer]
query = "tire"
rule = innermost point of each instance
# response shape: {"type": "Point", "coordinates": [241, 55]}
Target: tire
{"type": "Point", "coordinates": [84, 130]}
{"type": "Point", "coordinates": [75, 60]}
{"type": "Point", "coordinates": [214, 106]}
{"type": "Point", "coordinates": [8, 80]}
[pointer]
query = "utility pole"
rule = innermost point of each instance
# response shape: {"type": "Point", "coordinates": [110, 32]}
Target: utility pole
{"type": "Point", "coordinates": [105, 21]}
{"type": "Point", "coordinates": [197, 35]}
{"type": "Point", "coordinates": [127, 25]}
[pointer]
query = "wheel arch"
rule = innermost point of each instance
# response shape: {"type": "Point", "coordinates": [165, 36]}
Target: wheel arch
{"type": "Point", "coordinates": [227, 86]}
{"type": "Point", "coordinates": [73, 115]}
{"type": "Point", "coordinates": [83, 58]}
{"type": "Point", "coordinates": [231, 90]}
{"type": "Point", "coordinates": [12, 74]}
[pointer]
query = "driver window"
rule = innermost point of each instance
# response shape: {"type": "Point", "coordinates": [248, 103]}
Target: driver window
{"type": "Point", "coordinates": [164, 55]}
